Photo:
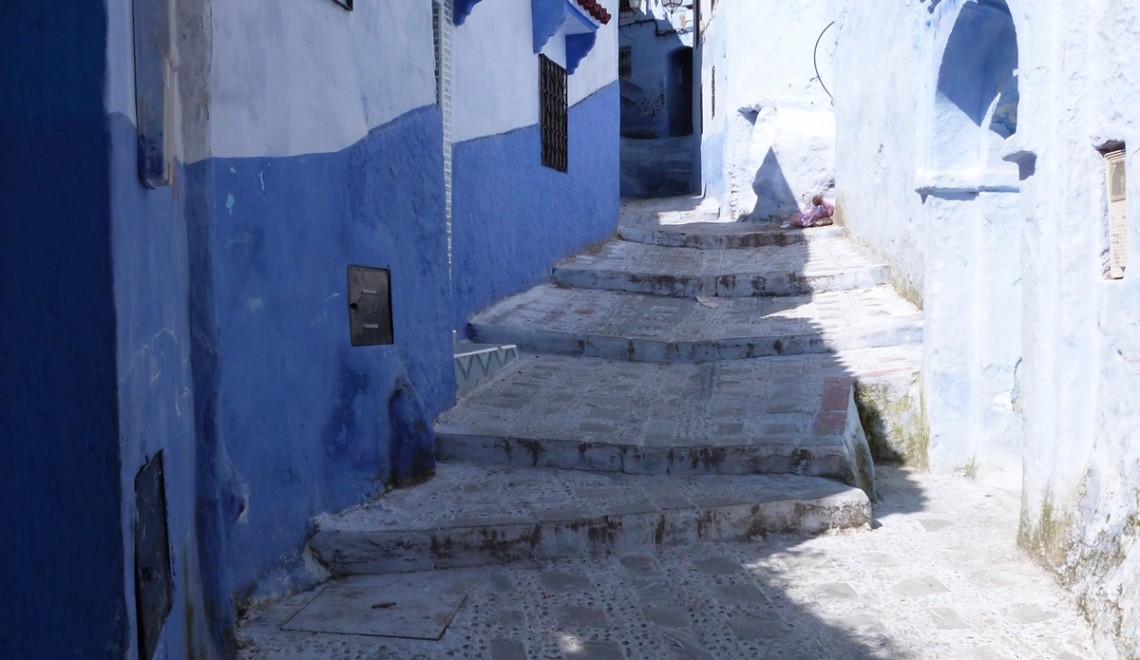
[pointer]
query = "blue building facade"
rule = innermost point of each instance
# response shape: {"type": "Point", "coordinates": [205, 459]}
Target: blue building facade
{"type": "Point", "coordinates": [185, 186]}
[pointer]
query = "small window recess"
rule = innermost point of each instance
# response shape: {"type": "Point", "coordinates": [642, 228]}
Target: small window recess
{"type": "Point", "coordinates": [553, 114]}
{"type": "Point", "coordinates": [625, 62]}
{"type": "Point", "coordinates": [1117, 227]}
{"type": "Point", "coordinates": [347, 4]}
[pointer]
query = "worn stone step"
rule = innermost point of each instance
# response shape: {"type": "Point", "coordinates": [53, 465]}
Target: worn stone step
{"type": "Point", "coordinates": [733, 417]}
{"type": "Point", "coordinates": [628, 326]}
{"type": "Point", "coordinates": [669, 210]}
{"type": "Point", "coordinates": [470, 516]}
{"type": "Point", "coordinates": [723, 235]}
{"type": "Point", "coordinates": [823, 265]}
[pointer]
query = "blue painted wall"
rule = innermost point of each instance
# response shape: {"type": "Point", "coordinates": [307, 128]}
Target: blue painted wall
{"type": "Point", "coordinates": [155, 393]}
{"type": "Point", "coordinates": [292, 420]}
{"type": "Point", "coordinates": [62, 582]}
{"type": "Point", "coordinates": [512, 218]}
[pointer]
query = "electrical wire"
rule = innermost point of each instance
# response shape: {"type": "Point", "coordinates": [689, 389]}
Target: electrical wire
{"type": "Point", "coordinates": [815, 60]}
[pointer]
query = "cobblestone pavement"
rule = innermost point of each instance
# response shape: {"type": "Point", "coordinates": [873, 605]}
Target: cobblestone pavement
{"type": "Point", "coordinates": [939, 576]}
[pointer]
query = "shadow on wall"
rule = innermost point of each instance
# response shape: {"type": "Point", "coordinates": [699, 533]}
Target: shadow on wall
{"type": "Point", "coordinates": [773, 192]}
{"type": "Point", "coordinates": [977, 88]}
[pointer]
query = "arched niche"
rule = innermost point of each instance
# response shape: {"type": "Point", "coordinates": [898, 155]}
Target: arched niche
{"type": "Point", "coordinates": [976, 99]}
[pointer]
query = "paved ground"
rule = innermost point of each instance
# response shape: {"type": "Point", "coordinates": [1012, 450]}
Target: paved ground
{"type": "Point", "coordinates": [546, 317]}
{"type": "Point", "coordinates": [684, 563]}
{"type": "Point", "coordinates": [938, 577]}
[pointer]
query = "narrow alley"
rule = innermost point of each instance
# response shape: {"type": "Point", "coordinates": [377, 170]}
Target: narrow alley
{"type": "Point", "coordinates": [669, 470]}
{"type": "Point", "coordinates": [554, 329]}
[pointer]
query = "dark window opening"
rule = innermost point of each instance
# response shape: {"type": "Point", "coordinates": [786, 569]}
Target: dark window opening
{"type": "Point", "coordinates": [712, 93]}
{"type": "Point", "coordinates": [679, 92]}
{"type": "Point", "coordinates": [625, 62]}
{"type": "Point", "coordinates": [553, 114]}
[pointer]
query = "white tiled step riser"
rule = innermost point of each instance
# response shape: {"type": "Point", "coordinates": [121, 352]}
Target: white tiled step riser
{"type": "Point", "coordinates": [737, 285]}
{"type": "Point", "coordinates": [376, 552]}
{"type": "Point", "coordinates": [824, 460]}
{"type": "Point", "coordinates": [652, 350]}
{"type": "Point", "coordinates": [473, 366]}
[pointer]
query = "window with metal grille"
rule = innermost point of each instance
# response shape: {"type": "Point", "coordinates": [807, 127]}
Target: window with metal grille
{"type": "Point", "coordinates": [625, 62]}
{"type": "Point", "coordinates": [553, 114]}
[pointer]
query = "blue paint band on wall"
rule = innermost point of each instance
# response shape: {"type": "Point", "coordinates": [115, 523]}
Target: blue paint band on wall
{"type": "Point", "coordinates": [299, 416]}
{"type": "Point", "coordinates": [513, 218]}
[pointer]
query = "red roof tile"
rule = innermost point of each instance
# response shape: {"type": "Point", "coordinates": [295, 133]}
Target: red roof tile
{"type": "Point", "coordinates": [595, 9]}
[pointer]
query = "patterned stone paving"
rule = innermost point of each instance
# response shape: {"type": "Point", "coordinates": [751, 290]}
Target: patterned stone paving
{"type": "Point", "coordinates": [938, 577]}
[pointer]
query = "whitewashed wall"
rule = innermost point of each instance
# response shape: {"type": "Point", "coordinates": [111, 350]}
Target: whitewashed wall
{"type": "Point", "coordinates": [496, 70]}
{"type": "Point", "coordinates": [877, 133]}
{"type": "Point", "coordinates": [924, 185]}
{"type": "Point", "coordinates": [306, 80]}
{"type": "Point", "coordinates": [1081, 332]}
{"type": "Point", "coordinates": [772, 140]}
{"type": "Point", "coordinates": [1076, 332]}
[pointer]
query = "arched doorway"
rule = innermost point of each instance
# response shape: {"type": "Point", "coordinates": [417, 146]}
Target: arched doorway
{"type": "Point", "coordinates": [972, 292]}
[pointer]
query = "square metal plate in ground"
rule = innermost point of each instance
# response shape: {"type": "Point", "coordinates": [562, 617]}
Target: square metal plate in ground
{"type": "Point", "coordinates": [413, 606]}
{"type": "Point", "coordinates": [369, 306]}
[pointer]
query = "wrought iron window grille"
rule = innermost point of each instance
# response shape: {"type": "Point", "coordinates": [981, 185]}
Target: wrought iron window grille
{"type": "Point", "coordinates": [553, 114]}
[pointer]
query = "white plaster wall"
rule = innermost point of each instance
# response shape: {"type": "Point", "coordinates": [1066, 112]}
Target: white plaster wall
{"type": "Point", "coordinates": [1079, 334]}
{"type": "Point", "coordinates": [769, 103]}
{"type": "Point", "coordinates": [190, 61]}
{"type": "Point", "coordinates": [1082, 332]}
{"type": "Point", "coordinates": [496, 70]}
{"type": "Point", "coordinates": [877, 85]}
{"type": "Point", "coordinates": [917, 183]}
{"type": "Point", "coordinates": [309, 77]}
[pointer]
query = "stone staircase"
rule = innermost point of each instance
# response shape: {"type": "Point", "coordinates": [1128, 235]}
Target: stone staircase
{"type": "Point", "coordinates": [692, 381]}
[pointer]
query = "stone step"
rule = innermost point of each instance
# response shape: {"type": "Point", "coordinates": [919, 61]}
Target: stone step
{"type": "Point", "coordinates": [471, 516]}
{"type": "Point", "coordinates": [734, 417]}
{"type": "Point", "coordinates": [723, 235]}
{"type": "Point", "coordinates": [809, 267]}
{"type": "Point", "coordinates": [669, 210]}
{"type": "Point", "coordinates": [636, 327]}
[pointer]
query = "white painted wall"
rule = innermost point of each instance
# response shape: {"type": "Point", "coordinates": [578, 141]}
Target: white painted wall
{"type": "Point", "coordinates": [877, 132]}
{"type": "Point", "coordinates": [923, 185]}
{"type": "Point", "coordinates": [1081, 332]}
{"type": "Point", "coordinates": [310, 77]}
{"type": "Point", "coordinates": [496, 69]}
{"type": "Point", "coordinates": [769, 105]}
{"type": "Point", "coordinates": [1077, 333]}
